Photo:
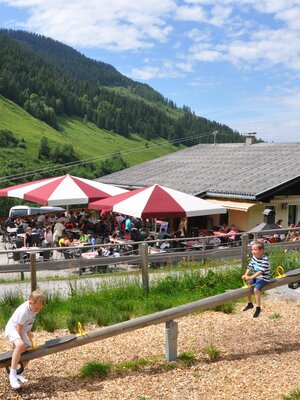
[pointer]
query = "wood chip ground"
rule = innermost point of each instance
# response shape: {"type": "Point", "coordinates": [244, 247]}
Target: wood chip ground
{"type": "Point", "coordinates": [260, 359]}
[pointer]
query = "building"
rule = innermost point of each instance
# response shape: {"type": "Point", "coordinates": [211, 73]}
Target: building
{"type": "Point", "coordinates": [246, 178]}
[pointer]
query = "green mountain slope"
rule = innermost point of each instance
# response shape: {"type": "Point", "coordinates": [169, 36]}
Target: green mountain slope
{"type": "Point", "coordinates": [81, 67]}
{"type": "Point", "coordinates": [88, 141]}
{"type": "Point", "coordinates": [49, 79]}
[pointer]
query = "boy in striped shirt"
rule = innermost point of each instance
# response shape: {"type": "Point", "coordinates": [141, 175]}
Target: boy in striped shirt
{"type": "Point", "coordinates": [259, 268]}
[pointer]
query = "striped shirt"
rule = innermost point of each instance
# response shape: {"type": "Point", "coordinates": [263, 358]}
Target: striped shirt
{"type": "Point", "coordinates": [262, 265]}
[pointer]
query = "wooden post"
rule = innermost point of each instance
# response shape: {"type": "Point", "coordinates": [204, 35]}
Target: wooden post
{"type": "Point", "coordinates": [33, 271]}
{"type": "Point", "coordinates": [143, 250]}
{"type": "Point", "coordinates": [245, 242]}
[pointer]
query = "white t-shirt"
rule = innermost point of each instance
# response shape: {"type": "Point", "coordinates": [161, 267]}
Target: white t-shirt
{"type": "Point", "coordinates": [23, 316]}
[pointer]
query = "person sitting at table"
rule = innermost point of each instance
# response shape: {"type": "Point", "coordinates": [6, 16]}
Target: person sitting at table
{"type": "Point", "coordinates": [99, 252]}
{"type": "Point", "coordinates": [28, 239]}
{"type": "Point", "coordinates": [91, 240]}
{"type": "Point", "coordinates": [177, 245]}
{"type": "Point", "coordinates": [144, 233]}
{"type": "Point", "coordinates": [67, 241]}
{"type": "Point", "coordinates": [109, 251]}
{"type": "Point", "coordinates": [64, 241]}
{"type": "Point", "coordinates": [291, 234]}
{"type": "Point", "coordinates": [151, 240]}
{"type": "Point", "coordinates": [24, 224]}
{"type": "Point", "coordinates": [83, 237]}
{"type": "Point", "coordinates": [115, 237]}
{"type": "Point", "coordinates": [224, 228]}
{"type": "Point", "coordinates": [165, 245]}
{"type": "Point", "coordinates": [161, 233]}
{"type": "Point", "coordinates": [233, 231]}
{"type": "Point", "coordinates": [135, 234]}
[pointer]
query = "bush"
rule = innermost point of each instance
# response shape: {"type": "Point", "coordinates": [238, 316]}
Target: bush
{"type": "Point", "coordinates": [212, 352]}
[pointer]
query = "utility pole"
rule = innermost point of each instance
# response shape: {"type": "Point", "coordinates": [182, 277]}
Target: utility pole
{"type": "Point", "coordinates": [215, 135]}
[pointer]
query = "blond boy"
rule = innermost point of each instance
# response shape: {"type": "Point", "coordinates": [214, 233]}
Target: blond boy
{"type": "Point", "coordinates": [18, 332]}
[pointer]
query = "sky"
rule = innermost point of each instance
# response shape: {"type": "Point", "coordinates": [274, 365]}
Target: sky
{"type": "Point", "coordinates": [236, 62]}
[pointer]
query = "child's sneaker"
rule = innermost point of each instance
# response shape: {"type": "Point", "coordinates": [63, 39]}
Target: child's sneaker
{"type": "Point", "coordinates": [22, 378]}
{"type": "Point", "coordinates": [248, 307]}
{"type": "Point", "coordinates": [14, 381]}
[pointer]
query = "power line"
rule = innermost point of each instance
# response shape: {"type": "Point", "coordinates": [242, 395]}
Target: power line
{"type": "Point", "coordinates": [99, 158]}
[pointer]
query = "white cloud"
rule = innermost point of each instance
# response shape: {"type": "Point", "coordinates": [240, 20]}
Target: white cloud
{"type": "Point", "coordinates": [115, 24]}
{"type": "Point", "coordinates": [197, 35]}
{"type": "Point", "coordinates": [168, 69]}
{"type": "Point", "coordinates": [220, 15]}
{"type": "Point", "coordinates": [285, 96]}
{"type": "Point", "coordinates": [204, 52]}
{"type": "Point", "coordinates": [185, 13]}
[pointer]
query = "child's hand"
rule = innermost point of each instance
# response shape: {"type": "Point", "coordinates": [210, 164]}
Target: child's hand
{"type": "Point", "coordinates": [30, 334]}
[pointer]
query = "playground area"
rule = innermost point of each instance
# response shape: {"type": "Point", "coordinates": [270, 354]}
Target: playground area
{"type": "Point", "coordinates": [259, 359]}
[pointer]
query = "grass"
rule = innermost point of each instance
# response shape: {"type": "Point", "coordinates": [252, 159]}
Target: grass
{"type": "Point", "coordinates": [110, 304]}
{"type": "Point", "coordinates": [275, 315]}
{"type": "Point", "coordinates": [188, 358]}
{"type": "Point", "coordinates": [212, 352]}
{"type": "Point", "coordinates": [95, 370]}
{"type": "Point", "coordinates": [155, 364]}
{"type": "Point", "coordinates": [294, 395]}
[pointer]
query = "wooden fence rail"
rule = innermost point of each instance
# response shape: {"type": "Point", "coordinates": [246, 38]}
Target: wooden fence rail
{"type": "Point", "coordinates": [142, 259]}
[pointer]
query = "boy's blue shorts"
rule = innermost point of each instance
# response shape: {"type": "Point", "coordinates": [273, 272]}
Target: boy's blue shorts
{"type": "Point", "coordinates": [258, 283]}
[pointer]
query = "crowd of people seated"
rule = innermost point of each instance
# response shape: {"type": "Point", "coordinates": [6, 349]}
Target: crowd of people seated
{"type": "Point", "coordinates": [84, 226]}
{"type": "Point", "coordinates": [292, 234]}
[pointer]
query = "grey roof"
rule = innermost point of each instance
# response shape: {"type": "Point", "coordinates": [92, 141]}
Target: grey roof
{"type": "Point", "coordinates": [227, 170]}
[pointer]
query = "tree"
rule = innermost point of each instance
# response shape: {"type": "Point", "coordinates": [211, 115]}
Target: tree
{"type": "Point", "coordinates": [44, 149]}
{"type": "Point", "coordinates": [7, 139]}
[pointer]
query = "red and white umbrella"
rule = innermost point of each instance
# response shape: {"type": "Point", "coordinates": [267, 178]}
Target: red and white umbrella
{"type": "Point", "coordinates": [157, 202]}
{"type": "Point", "coordinates": [62, 190]}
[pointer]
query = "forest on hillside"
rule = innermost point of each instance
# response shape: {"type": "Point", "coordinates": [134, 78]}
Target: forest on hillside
{"type": "Point", "coordinates": [48, 79]}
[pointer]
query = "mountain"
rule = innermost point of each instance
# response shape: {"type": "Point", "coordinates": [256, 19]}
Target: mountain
{"type": "Point", "coordinates": [81, 67]}
{"type": "Point", "coordinates": [59, 108]}
{"type": "Point", "coordinates": [48, 79]}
